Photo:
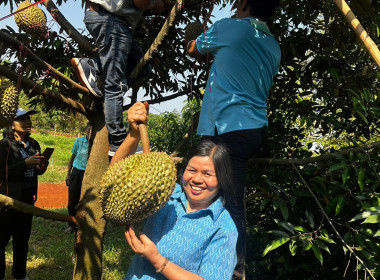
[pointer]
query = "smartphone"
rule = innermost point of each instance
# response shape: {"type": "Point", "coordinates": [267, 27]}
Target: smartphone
{"type": "Point", "coordinates": [47, 153]}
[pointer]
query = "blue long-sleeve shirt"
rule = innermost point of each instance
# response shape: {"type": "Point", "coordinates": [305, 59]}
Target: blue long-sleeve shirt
{"type": "Point", "coordinates": [203, 242]}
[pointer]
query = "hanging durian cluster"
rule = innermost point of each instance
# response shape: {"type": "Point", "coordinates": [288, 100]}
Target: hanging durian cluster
{"type": "Point", "coordinates": [8, 102]}
{"type": "Point", "coordinates": [136, 187]}
{"type": "Point", "coordinates": [193, 30]}
{"type": "Point", "coordinates": [31, 20]}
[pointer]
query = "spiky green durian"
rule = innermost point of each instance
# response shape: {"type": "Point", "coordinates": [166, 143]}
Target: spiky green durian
{"type": "Point", "coordinates": [136, 187]}
{"type": "Point", "coordinates": [193, 30]}
{"type": "Point", "coordinates": [31, 20]}
{"type": "Point", "coordinates": [8, 102]}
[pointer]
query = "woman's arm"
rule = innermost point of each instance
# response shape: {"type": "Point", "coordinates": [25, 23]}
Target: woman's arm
{"type": "Point", "coordinates": [146, 248]}
{"type": "Point", "coordinates": [137, 113]}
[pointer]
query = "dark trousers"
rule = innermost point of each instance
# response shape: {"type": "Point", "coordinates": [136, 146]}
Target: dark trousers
{"type": "Point", "coordinates": [18, 226]}
{"type": "Point", "coordinates": [242, 145]}
{"type": "Point", "coordinates": [75, 186]}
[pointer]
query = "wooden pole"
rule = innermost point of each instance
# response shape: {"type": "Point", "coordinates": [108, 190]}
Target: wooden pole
{"type": "Point", "coordinates": [359, 30]}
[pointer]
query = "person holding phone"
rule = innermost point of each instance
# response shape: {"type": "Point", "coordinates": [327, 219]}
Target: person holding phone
{"type": "Point", "coordinates": [20, 164]}
{"type": "Point", "coordinates": [75, 173]}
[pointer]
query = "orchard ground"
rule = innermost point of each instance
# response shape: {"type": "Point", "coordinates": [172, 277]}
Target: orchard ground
{"type": "Point", "coordinates": [52, 195]}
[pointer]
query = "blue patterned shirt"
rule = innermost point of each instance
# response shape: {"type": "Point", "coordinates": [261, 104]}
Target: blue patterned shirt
{"type": "Point", "coordinates": [203, 242]}
{"type": "Point", "coordinates": [246, 58]}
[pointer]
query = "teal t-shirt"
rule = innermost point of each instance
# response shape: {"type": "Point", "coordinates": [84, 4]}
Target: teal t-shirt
{"type": "Point", "coordinates": [80, 150]}
{"type": "Point", "coordinates": [246, 58]}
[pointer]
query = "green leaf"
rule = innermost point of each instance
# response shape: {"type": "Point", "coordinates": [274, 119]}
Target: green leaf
{"type": "Point", "coordinates": [337, 166]}
{"type": "Point", "coordinates": [301, 229]}
{"type": "Point", "coordinates": [346, 175]}
{"type": "Point", "coordinates": [275, 244]}
{"type": "Point", "coordinates": [317, 253]}
{"type": "Point", "coordinates": [309, 218]}
{"type": "Point", "coordinates": [293, 248]}
{"type": "Point", "coordinates": [325, 237]}
{"type": "Point", "coordinates": [339, 205]}
{"type": "Point", "coordinates": [306, 243]}
{"type": "Point", "coordinates": [284, 210]}
{"type": "Point", "coordinates": [361, 177]}
{"type": "Point", "coordinates": [372, 220]}
{"type": "Point", "coordinates": [362, 116]}
{"type": "Point", "coordinates": [279, 233]}
{"type": "Point", "coordinates": [321, 245]}
{"type": "Point", "coordinates": [285, 225]}
{"type": "Point", "coordinates": [364, 215]}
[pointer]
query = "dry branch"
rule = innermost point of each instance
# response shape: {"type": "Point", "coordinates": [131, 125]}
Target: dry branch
{"type": "Point", "coordinates": [27, 83]}
{"type": "Point", "coordinates": [359, 30]}
{"type": "Point", "coordinates": [169, 22]}
{"type": "Point", "coordinates": [187, 136]}
{"type": "Point", "coordinates": [35, 211]}
{"type": "Point", "coordinates": [69, 29]}
{"type": "Point", "coordinates": [14, 43]}
{"type": "Point", "coordinates": [166, 98]}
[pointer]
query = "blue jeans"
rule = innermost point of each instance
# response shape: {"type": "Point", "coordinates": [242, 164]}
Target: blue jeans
{"type": "Point", "coordinates": [242, 145]}
{"type": "Point", "coordinates": [118, 54]}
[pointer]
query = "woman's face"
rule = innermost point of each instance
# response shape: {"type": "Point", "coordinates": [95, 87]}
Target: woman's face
{"type": "Point", "coordinates": [22, 125]}
{"type": "Point", "coordinates": [200, 183]}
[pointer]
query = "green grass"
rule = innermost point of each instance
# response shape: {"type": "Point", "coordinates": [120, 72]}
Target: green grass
{"type": "Point", "coordinates": [57, 169]}
{"type": "Point", "coordinates": [51, 253]}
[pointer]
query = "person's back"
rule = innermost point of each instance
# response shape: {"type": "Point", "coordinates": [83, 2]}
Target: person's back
{"type": "Point", "coordinates": [246, 59]}
{"type": "Point", "coordinates": [245, 62]}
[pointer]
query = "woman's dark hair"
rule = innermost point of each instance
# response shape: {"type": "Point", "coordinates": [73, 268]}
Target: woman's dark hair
{"type": "Point", "coordinates": [222, 163]}
{"type": "Point", "coordinates": [263, 9]}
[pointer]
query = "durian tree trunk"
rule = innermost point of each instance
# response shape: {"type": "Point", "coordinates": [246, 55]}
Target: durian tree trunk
{"type": "Point", "coordinates": [89, 239]}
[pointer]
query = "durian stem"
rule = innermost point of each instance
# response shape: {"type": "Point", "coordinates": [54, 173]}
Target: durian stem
{"type": "Point", "coordinates": [144, 138]}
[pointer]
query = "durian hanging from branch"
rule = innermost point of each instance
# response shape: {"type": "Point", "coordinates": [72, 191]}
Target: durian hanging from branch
{"type": "Point", "coordinates": [135, 187]}
{"type": "Point", "coordinates": [32, 19]}
{"type": "Point", "coordinates": [9, 98]}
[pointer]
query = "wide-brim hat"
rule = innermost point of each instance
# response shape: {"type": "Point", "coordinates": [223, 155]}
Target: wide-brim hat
{"type": "Point", "coordinates": [21, 112]}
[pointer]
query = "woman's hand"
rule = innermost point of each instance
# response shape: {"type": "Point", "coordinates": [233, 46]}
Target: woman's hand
{"type": "Point", "coordinates": [35, 160]}
{"type": "Point", "coordinates": [138, 113]}
{"type": "Point", "coordinates": [144, 247]}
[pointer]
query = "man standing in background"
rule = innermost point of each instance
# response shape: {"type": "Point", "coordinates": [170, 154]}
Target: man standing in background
{"type": "Point", "coordinates": [75, 173]}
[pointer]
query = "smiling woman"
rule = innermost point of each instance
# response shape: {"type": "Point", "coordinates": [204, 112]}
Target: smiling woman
{"type": "Point", "coordinates": [192, 236]}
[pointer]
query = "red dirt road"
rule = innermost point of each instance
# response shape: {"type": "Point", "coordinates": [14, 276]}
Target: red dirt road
{"type": "Point", "coordinates": [52, 195]}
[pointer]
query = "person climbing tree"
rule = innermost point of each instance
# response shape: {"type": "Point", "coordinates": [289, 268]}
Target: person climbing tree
{"type": "Point", "coordinates": [111, 23]}
{"type": "Point", "coordinates": [246, 58]}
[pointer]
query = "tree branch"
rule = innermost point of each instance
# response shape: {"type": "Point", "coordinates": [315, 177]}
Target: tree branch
{"type": "Point", "coordinates": [304, 161]}
{"type": "Point", "coordinates": [166, 98]}
{"type": "Point", "coordinates": [69, 29]}
{"type": "Point", "coordinates": [187, 136]}
{"type": "Point", "coordinates": [29, 84]}
{"type": "Point", "coordinates": [359, 30]}
{"type": "Point", "coordinates": [9, 40]}
{"type": "Point", "coordinates": [329, 221]}
{"type": "Point", "coordinates": [169, 22]}
{"type": "Point", "coordinates": [35, 211]}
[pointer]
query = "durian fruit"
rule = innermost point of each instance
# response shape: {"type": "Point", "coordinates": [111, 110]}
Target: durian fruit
{"type": "Point", "coordinates": [136, 187]}
{"type": "Point", "coordinates": [8, 102]}
{"type": "Point", "coordinates": [193, 30]}
{"type": "Point", "coordinates": [31, 20]}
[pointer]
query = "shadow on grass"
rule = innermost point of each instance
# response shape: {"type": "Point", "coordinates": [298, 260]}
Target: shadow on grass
{"type": "Point", "coordinates": [51, 252]}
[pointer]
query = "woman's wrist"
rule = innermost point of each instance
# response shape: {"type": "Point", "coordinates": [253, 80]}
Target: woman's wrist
{"type": "Point", "coordinates": [158, 261]}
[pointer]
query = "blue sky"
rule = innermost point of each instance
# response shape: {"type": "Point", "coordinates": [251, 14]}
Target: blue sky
{"type": "Point", "coordinates": [74, 13]}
